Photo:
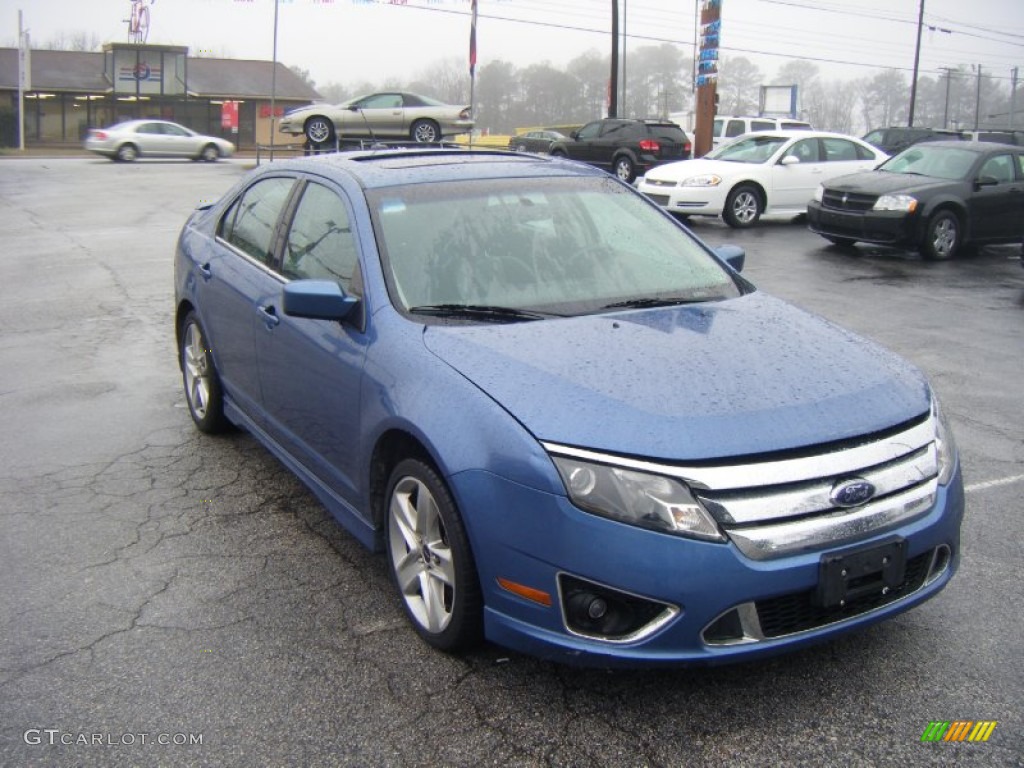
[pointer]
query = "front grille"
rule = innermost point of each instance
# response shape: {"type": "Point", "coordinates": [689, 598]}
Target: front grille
{"type": "Point", "coordinates": [847, 201]}
{"type": "Point", "coordinates": [797, 612]}
{"type": "Point", "coordinates": [659, 199]}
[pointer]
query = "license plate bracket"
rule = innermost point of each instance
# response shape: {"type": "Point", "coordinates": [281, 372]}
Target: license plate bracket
{"type": "Point", "coordinates": [874, 570]}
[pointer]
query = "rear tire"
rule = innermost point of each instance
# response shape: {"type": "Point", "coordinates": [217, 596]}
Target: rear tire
{"type": "Point", "coordinates": [841, 242]}
{"type": "Point", "coordinates": [624, 169]}
{"type": "Point", "coordinates": [127, 153]}
{"type": "Point", "coordinates": [203, 391]}
{"type": "Point", "coordinates": [942, 236]}
{"type": "Point", "coordinates": [425, 132]}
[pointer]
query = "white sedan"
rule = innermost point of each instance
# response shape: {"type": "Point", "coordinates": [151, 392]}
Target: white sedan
{"type": "Point", "coordinates": [771, 172]}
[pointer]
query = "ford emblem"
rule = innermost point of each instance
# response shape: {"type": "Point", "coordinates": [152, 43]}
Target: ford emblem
{"type": "Point", "coordinates": [852, 493]}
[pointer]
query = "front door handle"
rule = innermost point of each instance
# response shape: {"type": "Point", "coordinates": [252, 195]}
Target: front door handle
{"type": "Point", "coordinates": [269, 315]}
{"type": "Point", "coordinates": [205, 271]}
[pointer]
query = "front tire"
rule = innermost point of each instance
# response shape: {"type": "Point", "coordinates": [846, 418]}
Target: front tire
{"type": "Point", "coordinates": [199, 374]}
{"type": "Point", "coordinates": [841, 242]}
{"type": "Point", "coordinates": [624, 169]}
{"type": "Point", "coordinates": [425, 132]}
{"type": "Point", "coordinates": [742, 207]}
{"type": "Point", "coordinates": [430, 560]}
{"type": "Point", "coordinates": [210, 154]}
{"type": "Point", "coordinates": [319, 130]}
{"type": "Point", "coordinates": [942, 236]}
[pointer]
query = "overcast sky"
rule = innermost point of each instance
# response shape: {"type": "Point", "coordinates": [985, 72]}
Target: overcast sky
{"type": "Point", "coordinates": [352, 41]}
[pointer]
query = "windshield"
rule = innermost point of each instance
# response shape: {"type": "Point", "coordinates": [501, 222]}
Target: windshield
{"type": "Point", "coordinates": [753, 149]}
{"type": "Point", "coordinates": [552, 246]}
{"type": "Point", "coordinates": [949, 163]}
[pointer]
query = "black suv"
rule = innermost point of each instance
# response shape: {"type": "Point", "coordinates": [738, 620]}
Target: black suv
{"type": "Point", "coordinates": [625, 147]}
{"type": "Point", "coordinates": [894, 140]}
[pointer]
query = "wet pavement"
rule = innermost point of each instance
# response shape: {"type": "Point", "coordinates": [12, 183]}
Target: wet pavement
{"type": "Point", "coordinates": [175, 599]}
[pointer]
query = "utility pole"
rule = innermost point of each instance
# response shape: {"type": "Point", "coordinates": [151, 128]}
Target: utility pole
{"type": "Point", "coordinates": [977, 99]}
{"type": "Point", "coordinates": [707, 76]}
{"type": "Point", "coordinates": [917, 62]}
{"type": "Point", "coordinates": [1013, 94]}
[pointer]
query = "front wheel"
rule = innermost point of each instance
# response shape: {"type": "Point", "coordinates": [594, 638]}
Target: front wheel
{"type": "Point", "coordinates": [624, 169]}
{"type": "Point", "coordinates": [202, 384]}
{"type": "Point", "coordinates": [210, 154]}
{"type": "Point", "coordinates": [742, 207]}
{"type": "Point", "coordinates": [941, 237]}
{"type": "Point", "coordinates": [430, 559]}
{"type": "Point", "coordinates": [425, 132]}
{"type": "Point", "coordinates": [319, 130]}
{"type": "Point", "coordinates": [842, 242]}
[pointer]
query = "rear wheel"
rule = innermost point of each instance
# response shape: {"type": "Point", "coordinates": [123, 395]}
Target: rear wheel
{"type": "Point", "coordinates": [202, 384]}
{"type": "Point", "coordinates": [742, 207]}
{"type": "Point", "coordinates": [430, 559]}
{"type": "Point", "coordinates": [842, 242]}
{"type": "Point", "coordinates": [942, 236]}
{"type": "Point", "coordinates": [127, 153]}
{"type": "Point", "coordinates": [425, 132]}
{"type": "Point", "coordinates": [624, 169]}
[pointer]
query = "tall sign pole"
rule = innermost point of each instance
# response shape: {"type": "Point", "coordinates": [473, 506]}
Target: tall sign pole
{"type": "Point", "coordinates": [24, 77]}
{"type": "Point", "coordinates": [613, 81]}
{"type": "Point", "coordinates": [707, 75]}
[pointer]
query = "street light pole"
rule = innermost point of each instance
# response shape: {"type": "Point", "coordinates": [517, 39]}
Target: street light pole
{"type": "Point", "coordinates": [613, 85]}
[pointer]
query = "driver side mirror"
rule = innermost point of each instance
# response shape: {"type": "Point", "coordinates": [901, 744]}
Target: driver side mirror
{"type": "Point", "coordinates": [790, 160]}
{"type": "Point", "coordinates": [985, 181]}
{"type": "Point", "coordinates": [317, 300]}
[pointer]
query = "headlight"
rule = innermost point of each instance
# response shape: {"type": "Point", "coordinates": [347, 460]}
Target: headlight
{"type": "Point", "coordinates": [945, 444]}
{"type": "Point", "coordinates": [704, 180]}
{"type": "Point", "coordinates": [904, 203]}
{"type": "Point", "coordinates": [819, 193]}
{"type": "Point", "coordinates": [651, 501]}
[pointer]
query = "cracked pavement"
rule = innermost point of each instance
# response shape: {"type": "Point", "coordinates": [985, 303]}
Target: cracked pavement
{"type": "Point", "coordinates": [161, 582]}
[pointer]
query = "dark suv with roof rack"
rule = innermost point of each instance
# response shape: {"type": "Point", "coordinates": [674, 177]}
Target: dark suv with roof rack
{"type": "Point", "coordinates": [624, 146]}
{"type": "Point", "coordinates": [894, 140]}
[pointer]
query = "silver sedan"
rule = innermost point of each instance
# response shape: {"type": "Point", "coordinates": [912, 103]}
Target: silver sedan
{"type": "Point", "coordinates": [391, 115]}
{"type": "Point", "coordinates": [155, 138]}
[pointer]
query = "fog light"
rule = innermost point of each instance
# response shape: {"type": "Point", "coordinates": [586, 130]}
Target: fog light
{"type": "Point", "coordinates": [596, 611]}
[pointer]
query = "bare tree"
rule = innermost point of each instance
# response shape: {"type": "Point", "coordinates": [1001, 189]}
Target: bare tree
{"type": "Point", "coordinates": [885, 99]}
{"type": "Point", "coordinates": [446, 79]}
{"type": "Point", "coordinates": [739, 82]}
{"type": "Point", "coordinates": [73, 41]}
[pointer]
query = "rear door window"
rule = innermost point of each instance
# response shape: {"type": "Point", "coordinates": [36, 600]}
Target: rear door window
{"type": "Point", "coordinates": [251, 222]}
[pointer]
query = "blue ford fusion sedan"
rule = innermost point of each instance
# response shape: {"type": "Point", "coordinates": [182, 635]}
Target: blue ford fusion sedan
{"type": "Point", "coordinates": [573, 428]}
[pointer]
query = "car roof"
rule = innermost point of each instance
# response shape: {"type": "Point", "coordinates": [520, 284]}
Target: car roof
{"type": "Point", "coordinates": [801, 133]}
{"type": "Point", "coordinates": [391, 167]}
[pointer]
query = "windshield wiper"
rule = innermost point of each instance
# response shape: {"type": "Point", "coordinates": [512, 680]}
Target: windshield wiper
{"type": "Point", "coordinates": [650, 301]}
{"type": "Point", "coordinates": [483, 311]}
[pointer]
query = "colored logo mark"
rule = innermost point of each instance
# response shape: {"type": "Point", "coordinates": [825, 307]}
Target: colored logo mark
{"type": "Point", "coordinates": [959, 730]}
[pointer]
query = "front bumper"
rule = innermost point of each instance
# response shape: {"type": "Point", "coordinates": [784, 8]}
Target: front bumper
{"type": "Point", "coordinates": [523, 536]}
{"type": "Point", "coordinates": [882, 227]}
{"type": "Point", "coordinates": [708, 201]}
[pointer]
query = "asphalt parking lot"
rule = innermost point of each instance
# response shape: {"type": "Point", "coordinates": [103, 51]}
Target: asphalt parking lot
{"type": "Point", "coordinates": [175, 599]}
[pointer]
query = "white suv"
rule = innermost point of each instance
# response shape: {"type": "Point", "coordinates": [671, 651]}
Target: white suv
{"type": "Point", "coordinates": [727, 127]}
